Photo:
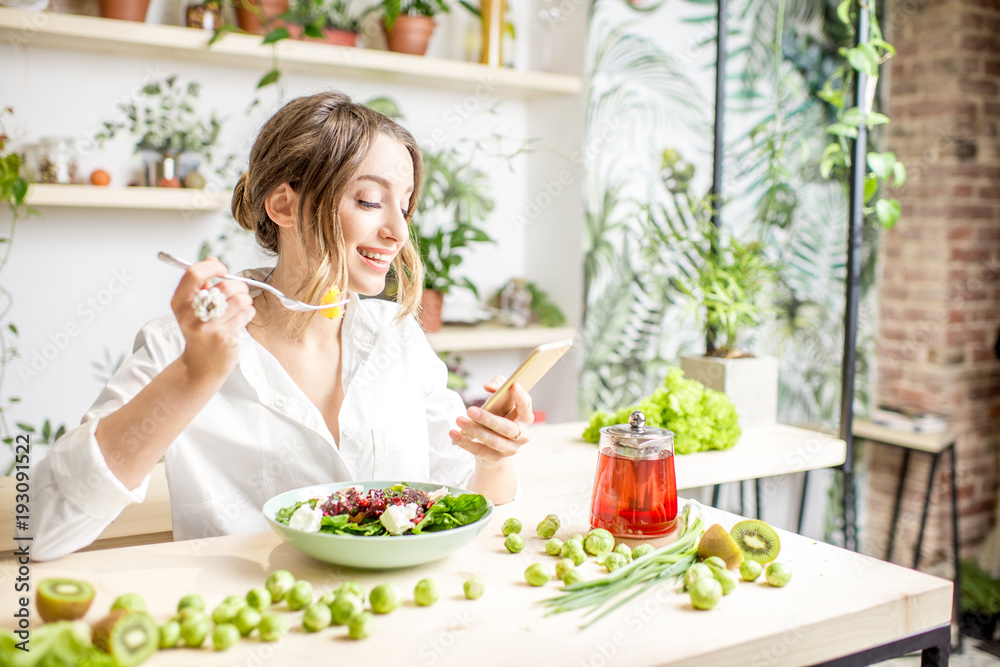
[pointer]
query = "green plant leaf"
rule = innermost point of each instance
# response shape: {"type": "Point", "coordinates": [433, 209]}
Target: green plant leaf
{"type": "Point", "coordinates": [875, 118]}
{"type": "Point", "coordinates": [269, 78]}
{"type": "Point", "coordinates": [844, 11]}
{"type": "Point", "coordinates": [27, 428]}
{"type": "Point", "coordinates": [898, 174]}
{"type": "Point", "coordinates": [887, 211]}
{"type": "Point", "coordinates": [881, 164]}
{"type": "Point", "coordinates": [871, 186]}
{"type": "Point", "coordinates": [12, 328]}
{"type": "Point", "coordinates": [277, 35]}
{"type": "Point", "coordinates": [843, 130]}
{"type": "Point", "coordinates": [863, 58]}
{"type": "Point", "coordinates": [220, 31]}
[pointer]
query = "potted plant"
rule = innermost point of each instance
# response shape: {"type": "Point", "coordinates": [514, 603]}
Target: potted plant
{"type": "Point", "coordinates": [253, 15]}
{"type": "Point", "coordinates": [453, 205]}
{"type": "Point", "coordinates": [125, 10]}
{"type": "Point", "coordinates": [727, 287]}
{"type": "Point", "coordinates": [164, 119]}
{"type": "Point", "coordinates": [330, 21]}
{"type": "Point", "coordinates": [409, 24]}
{"type": "Point", "coordinates": [980, 602]}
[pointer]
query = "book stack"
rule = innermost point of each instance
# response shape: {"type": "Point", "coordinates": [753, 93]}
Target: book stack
{"type": "Point", "coordinates": [910, 420]}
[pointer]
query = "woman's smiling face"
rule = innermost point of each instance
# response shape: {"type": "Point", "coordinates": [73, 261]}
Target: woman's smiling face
{"type": "Point", "coordinates": [372, 214]}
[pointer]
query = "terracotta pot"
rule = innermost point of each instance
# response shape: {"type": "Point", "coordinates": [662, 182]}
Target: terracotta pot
{"type": "Point", "coordinates": [331, 36]}
{"type": "Point", "coordinates": [125, 10]}
{"type": "Point", "coordinates": [410, 34]}
{"type": "Point", "coordinates": [430, 310]}
{"type": "Point", "coordinates": [248, 20]}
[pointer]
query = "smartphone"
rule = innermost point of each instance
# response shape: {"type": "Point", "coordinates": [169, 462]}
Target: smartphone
{"type": "Point", "coordinates": [531, 370]}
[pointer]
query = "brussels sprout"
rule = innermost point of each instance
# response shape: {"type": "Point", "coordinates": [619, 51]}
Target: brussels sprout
{"type": "Point", "coordinates": [195, 601]}
{"type": "Point", "coordinates": [132, 601]}
{"type": "Point", "coordinates": [353, 586]}
{"type": "Point", "coordinates": [715, 563]}
{"type": "Point", "coordinates": [777, 574]}
{"type": "Point", "coordinates": [514, 543]}
{"type": "Point", "coordinates": [614, 560]}
{"type": "Point", "coordinates": [385, 598]}
{"type": "Point", "coordinates": [705, 592]}
{"type": "Point", "coordinates": [259, 598]}
{"type": "Point", "coordinates": [234, 600]}
{"type": "Point", "coordinates": [696, 571]}
{"type": "Point", "coordinates": [345, 606]}
{"type": "Point", "coordinates": [624, 550]}
{"type": "Point", "coordinates": [728, 579]}
{"type": "Point", "coordinates": [548, 526]}
{"type": "Point", "coordinates": [572, 577]}
{"type": "Point", "coordinates": [279, 583]}
{"type": "Point", "coordinates": [576, 555]}
{"type": "Point", "coordinates": [537, 574]}
{"type": "Point", "coordinates": [317, 617]}
{"type": "Point", "coordinates": [598, 542]}
{"type": "Point", "coordinates": [170, 634]}
{"type": "Point", "coordinates": [426, 592]}
{"type": "Point", "coordinates": [194, 630]}
{"type": "Point", "coordinates": [361, 625]}
{"type": "Point", "coordinates": [642, 550]}
{"type": "Point", "coordinates": [554, 546]}
{"type": "Point", "coordinates": [246, 620]}
{"type": "Point", "coordinates": [224, 636]}
{"type": "Point", "coordinates": [300, 595]}
{"type": "Point", "coordinates": [750, 570]}
{"type": "Point", "coordinates": [474, 588]}
{"type": "Point", "coordinates": [509, 526]}
{"type": "Point", "coordinates": [224, 613]}
{"type": "Point", "coordinates": [272, 627]}
{"type": "Point", "coordinates": [563, 567]}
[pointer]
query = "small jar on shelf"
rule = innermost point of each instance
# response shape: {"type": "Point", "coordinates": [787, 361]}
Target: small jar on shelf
{"type": "Point", "coordinates": [57, 160]}
{"type": "Point", "coordinates": [204, 15]}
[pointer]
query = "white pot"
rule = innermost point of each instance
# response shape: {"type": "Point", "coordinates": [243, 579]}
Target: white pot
{"type": "Point", "coordinates": [750, 382]}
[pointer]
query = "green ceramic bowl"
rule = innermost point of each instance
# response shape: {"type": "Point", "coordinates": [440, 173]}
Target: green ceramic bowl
{"type": "Point", "coordinates": [371, 553]}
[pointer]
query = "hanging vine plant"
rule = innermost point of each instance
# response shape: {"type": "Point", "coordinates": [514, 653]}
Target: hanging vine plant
{"type": "Point", "coordinates": [871, 52]}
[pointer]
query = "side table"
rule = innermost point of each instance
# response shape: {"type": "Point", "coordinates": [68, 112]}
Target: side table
{"type": "Point", "coordinates": [935, 444]}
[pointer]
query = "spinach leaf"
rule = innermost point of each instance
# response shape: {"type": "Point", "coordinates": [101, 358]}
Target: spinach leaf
{"type": "Point", "coordinates": [452, 512]}
{"type": "Point", "coordinates": [284, 515]}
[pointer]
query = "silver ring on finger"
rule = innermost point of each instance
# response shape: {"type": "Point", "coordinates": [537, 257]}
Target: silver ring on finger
{"type": "Point", "coordinates": [209, 304]}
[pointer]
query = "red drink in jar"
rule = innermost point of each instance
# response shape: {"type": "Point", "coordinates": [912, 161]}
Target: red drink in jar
{"type": "Point", "coordinates": [635, 489]}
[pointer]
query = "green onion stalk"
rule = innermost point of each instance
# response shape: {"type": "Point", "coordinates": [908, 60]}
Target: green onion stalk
{"type": "Point", "coordinates": [608, 593]}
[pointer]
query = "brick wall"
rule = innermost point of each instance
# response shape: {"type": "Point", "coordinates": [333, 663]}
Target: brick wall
{"type": "Point", "coordinates": [940, 282]}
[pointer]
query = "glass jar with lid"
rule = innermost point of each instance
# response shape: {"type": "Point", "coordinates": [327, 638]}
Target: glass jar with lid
{"type": "Point", "coordinates": [57, 160]}
{"type": "Point", "coordinates": [635, 488]}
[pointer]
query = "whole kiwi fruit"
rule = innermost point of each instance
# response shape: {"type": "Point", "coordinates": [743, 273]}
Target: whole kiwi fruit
{"type": "Point", "coordinates": [757, 540]}
{"type": "Point", "coordinates": [127, 635]}
{"type": "Point", "coordinates": [63, 599]}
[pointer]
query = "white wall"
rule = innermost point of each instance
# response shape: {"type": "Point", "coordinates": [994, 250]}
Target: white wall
{"type": "Point", "coordinates": [83, 280]}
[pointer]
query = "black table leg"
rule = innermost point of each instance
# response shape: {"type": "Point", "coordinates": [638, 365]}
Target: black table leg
{"type": "Point", "coordinates": [715, 496]}
{"type": "Point", "coordinates": [743, 500]}
{"type": "Point", "coordinates": [923, 516]}
{"type": "Point", "coordinates": [802, 501]}
{"type": "Point", "coordinates": [955, 542]}
{"type": "Point", "coordinates": [899, 501]}
{"type": "Point", "coordinates": [756, 490]}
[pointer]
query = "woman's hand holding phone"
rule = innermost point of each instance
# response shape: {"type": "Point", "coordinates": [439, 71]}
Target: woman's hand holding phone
{"type": "Point", "coordinates": [489, 437]}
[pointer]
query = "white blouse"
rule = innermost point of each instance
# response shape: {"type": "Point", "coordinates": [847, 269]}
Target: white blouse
{"type": "Point", "coordinates": [260, 435]}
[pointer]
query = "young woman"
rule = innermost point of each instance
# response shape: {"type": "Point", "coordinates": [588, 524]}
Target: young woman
{"type": "Point", "coordinates": [259, 399]}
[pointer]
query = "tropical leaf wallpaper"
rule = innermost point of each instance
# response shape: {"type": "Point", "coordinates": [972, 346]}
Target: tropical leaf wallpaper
{"type": "Point", "coordinates": [649, 137]}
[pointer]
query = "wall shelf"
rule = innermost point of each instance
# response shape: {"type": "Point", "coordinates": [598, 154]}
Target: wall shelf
{"type": "Point", "coordinates": [126, 38]}
{"type": "Point", "coordinates": [164, 199]}
{"type": "Point", "coordinates": [484, 337]}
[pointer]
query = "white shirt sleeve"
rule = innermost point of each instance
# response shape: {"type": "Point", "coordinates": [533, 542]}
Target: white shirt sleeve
{"type": "Point", "coordinates": [449, 463]}
{"type": "Point", "coordinates": [75, 496]}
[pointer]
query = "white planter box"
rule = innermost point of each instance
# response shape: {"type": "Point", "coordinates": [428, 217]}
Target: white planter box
{"type": "Point", "coordinates": [751, 383]}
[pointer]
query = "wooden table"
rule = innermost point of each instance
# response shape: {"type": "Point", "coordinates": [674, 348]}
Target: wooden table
{"type": "Point", "coordinates": [838, 603]}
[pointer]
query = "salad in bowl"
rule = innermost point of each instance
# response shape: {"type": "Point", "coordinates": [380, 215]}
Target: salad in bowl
{"type": "Point", "coordinates": [378, 525]}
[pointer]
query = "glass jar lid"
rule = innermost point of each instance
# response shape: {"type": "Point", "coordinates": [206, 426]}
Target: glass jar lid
{"type": "Point", "coordinates": [636, 439]}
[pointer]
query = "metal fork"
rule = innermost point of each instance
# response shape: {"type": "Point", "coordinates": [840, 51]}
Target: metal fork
{"type": "Point", "coordinates": [287, 302]}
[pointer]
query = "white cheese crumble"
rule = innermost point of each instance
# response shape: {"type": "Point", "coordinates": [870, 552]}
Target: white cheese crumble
{"type": "Point", "coordinates": [357, 487]}
{"type": "Point", "coordinates": [435, 496]}
{"type": "Point", "coordinates": [306, 519]}
{"type": "Point", "coordinates": [399, 518]}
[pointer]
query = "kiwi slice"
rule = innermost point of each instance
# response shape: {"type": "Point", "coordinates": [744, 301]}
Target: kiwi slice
{"type": "Point", "coordinates": [127, 635]}
{"type": "Point", "coordinates": [757, 540]}
{"type": "Point", "coordinates": [63, 599]}
{"type": "Point", "coordinates": [717, 542]}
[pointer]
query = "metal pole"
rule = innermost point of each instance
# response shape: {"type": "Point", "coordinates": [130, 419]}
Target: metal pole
{"type": "Point", "coordinates": [856, 217]}
{"type": "Point", "coordinates": [717, 150]}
